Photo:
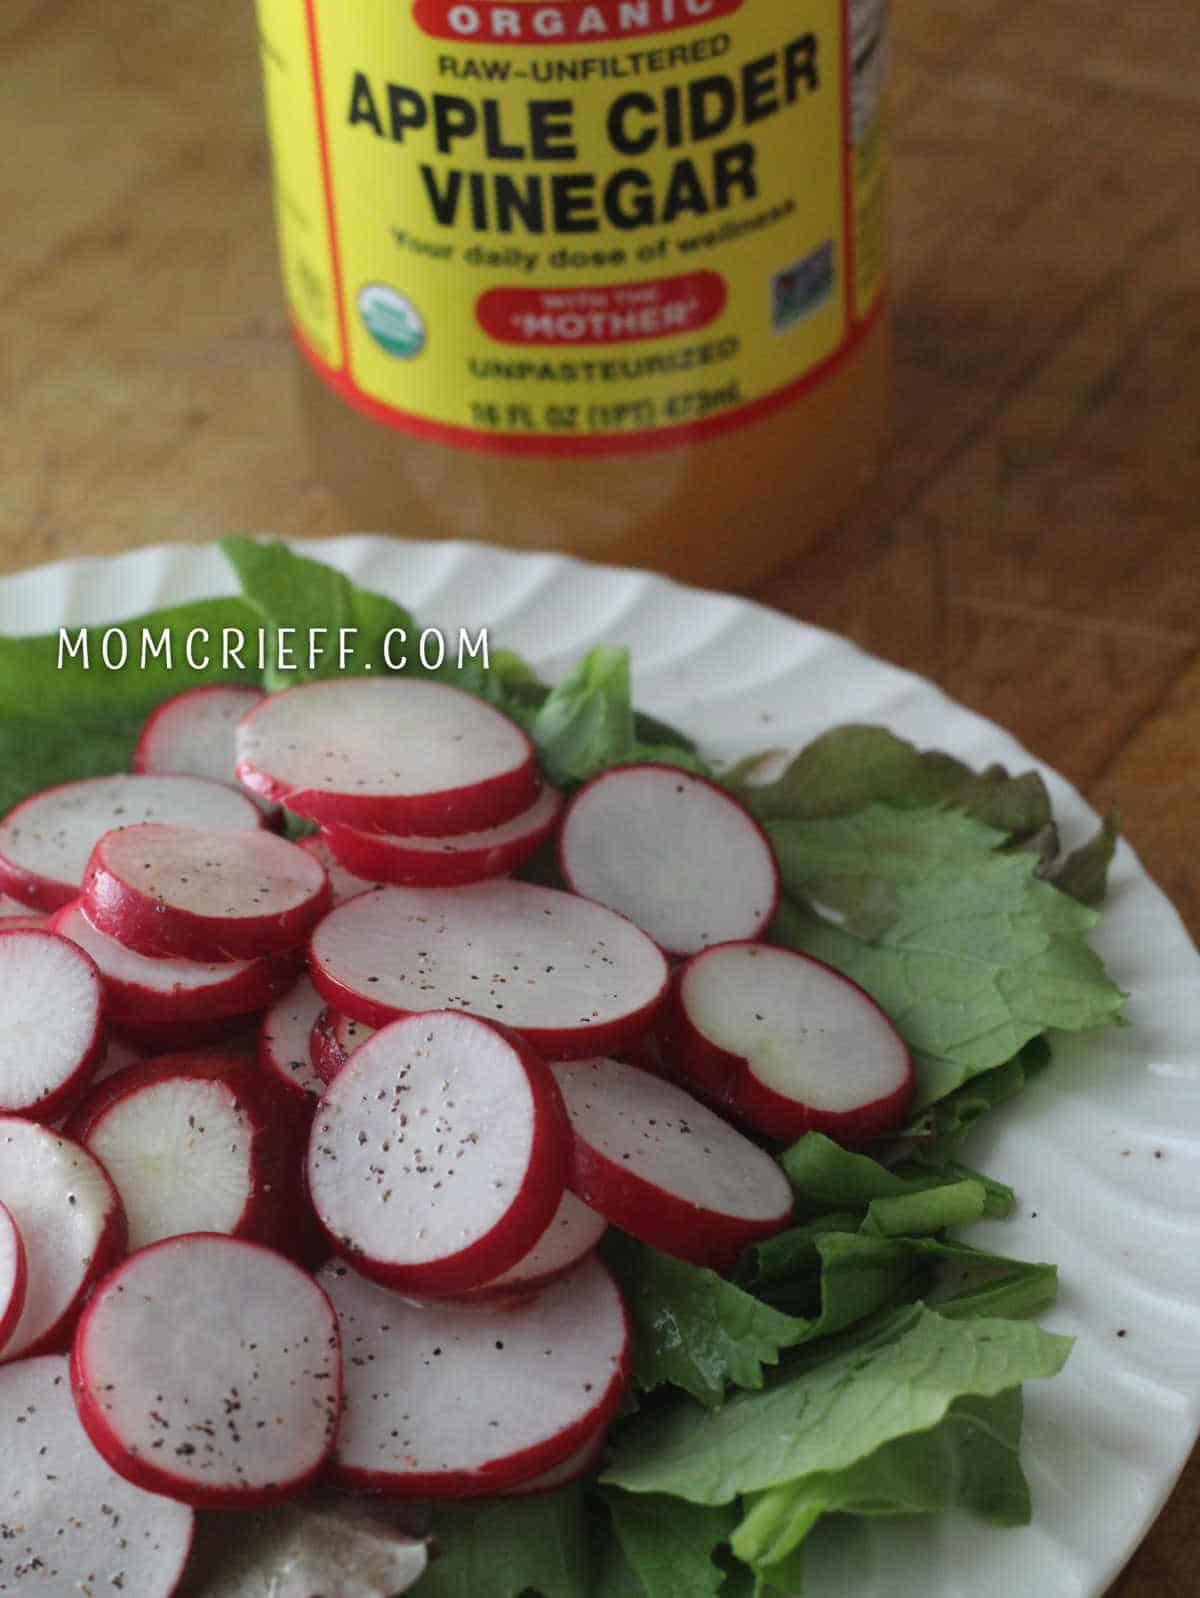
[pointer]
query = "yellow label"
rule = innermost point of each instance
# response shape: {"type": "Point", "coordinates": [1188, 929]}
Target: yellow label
{"type": "Point", "coordinates": [578, 226]}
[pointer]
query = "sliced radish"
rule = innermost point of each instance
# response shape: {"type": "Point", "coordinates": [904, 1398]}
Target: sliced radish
{"type": "Point", "coordinates": [455, 1401]}
{"type": "Point", "coordinates": [572, 1468]}
{"type": "Point", "coordinates": [798, 1047]}
{"type": "Point", "coordinates": [71, 1223]}
{"type": "Point", "coordinates": [333, 1040]}
{"type": "Point", "coordinates": [191, 1144]}
{"type": "Point", "coordinates": [13, 1276]}
{"type": "Point", "coordinates": [672, 851]}
{"type": "Point", "coordinates": [397, 754]}
{"type": "Point", "coordinates": [447, 861]}
{"type": "Point", "coordinates": [141, 991]}
{"type": "Point", "coordinates": [51, 1037]}
{"type": "Point", "coordinates": [14, 914]}
{"type": "Point", "coordinates": [343, 884]}
{"type": "Point", "coordinates": [190, 894]}
{"type": "Point", "coordinates": [665, 1169]}
{"type": "Point", "coordinates": [570, 976]}
{"type": "Point", "coordinates": [193, 734]}
{"type": "Point", "coordinates": [45, 842]}
{"type": "Point", "coordinates": [570, 1237]}
{"type": "Point", "coordinates": [209, 1369]}
{"type": "Point", "coordinates": [284, 1046]}
{"type": "Point", "coordinates": [70, 1526]}
{"type": "Point", "coordinates": [437, 1155]}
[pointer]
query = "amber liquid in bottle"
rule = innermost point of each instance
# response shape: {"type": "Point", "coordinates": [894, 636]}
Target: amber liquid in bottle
{"type": "Point", "coordinates": [723, 511]}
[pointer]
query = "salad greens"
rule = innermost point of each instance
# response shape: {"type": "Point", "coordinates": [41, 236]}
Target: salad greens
{"type": "Point", "coordinates": [862, 1362]}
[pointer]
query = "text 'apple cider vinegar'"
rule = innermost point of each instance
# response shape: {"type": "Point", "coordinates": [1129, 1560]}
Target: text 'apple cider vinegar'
{"type": "Point", "coordinates": [604, 277]}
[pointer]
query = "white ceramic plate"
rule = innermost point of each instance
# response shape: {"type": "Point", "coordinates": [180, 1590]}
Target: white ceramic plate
{"type": "Point", "coordinates": [1104, 1151]}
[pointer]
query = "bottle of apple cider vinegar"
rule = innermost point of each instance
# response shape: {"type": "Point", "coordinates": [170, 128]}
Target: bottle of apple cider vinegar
{"type": "Point", "coordinates": [604, 277]}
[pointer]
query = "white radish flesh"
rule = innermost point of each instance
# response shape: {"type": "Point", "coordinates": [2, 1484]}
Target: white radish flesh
{"type": "Point", "coordinates": [194, 894]}
{"type": "Point", "coordinates": [13, 1276]}
{"type": "Point", "coordinates": [456, 1400]}
{"type": "Point", "coordinates": [665, 1169]}
{"type": "Point", "coordinates": [46, 841]}
{"type": "Point", "coordinates": [142, 991]}
{"type": "Point", "coordinates": [437, 1155]}
{"type": "Point", "coordinates": [71, 1224]}
{"type": "Point", "coordinates": [192, 734]}
{"type": "Point", "coordinates": [570, 976]}
{"type": "Point", "coordinates": [343, 884]}
{"type": "Point", "coordinates": [396, 754]}
{"type": "Point", "coordinates": [284, 1045]}
{"type": "Point", "coordinates": [672, 851]}
{"type": "Point", "coordinates": [571, 1236]}
{"type": "Point", "coordinates": [187, 1147]}
{"type": "Point", "coordinates": [209, 1369]}
{"type": "Point", "coordinates": [803, 1048]}
{"type": "Point", "coordinates": [51, 1036]}
{"type": "Point", "coordinates": [70, 1525]}
{"type": "Point", "coordinates": [447, 861]}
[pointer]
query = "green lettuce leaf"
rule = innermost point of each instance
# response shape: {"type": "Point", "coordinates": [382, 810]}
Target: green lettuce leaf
{"type": "Point", "coordinates": [61, 720]}
{"type": "Point", "coordinates": [693, 1329]}
{"type": "Point", "coordinates": [289, 590]}
{"type": "Point", "coordinates": [509, 1547]}
{"type": "Point", "coordinates": [978, 959]}
{"type": "Point", "coordinates": [587, 723]}
{"type": "Point", "coordinates": [970, 1459]}
{"type": "Point", "coordinates": [827, 1176]}
{"type": "Point", "coordinates": [851, 767]}
{"type": "Point", "coordinates": [668, 1545]}
{"type": "Point", "coordinates": [941, 1125]}
{"type": "Point", "coordinates": [1084, 874]}
{"type": "Point", "coordinates": [832, 1409]}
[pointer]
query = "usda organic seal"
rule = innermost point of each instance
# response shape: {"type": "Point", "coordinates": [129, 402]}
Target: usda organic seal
{"type": "Point", "coordinates": [392, 320]}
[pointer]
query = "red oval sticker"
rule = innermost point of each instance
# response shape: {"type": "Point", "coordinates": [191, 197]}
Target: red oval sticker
{"type": "Point", "coordinates": [613, 313]}
{"type": "Point", "coordinates": [575, 22]}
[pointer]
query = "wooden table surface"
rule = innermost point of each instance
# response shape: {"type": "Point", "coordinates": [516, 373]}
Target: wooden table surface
{"type": "Point", "coordinates": [1031, 541]}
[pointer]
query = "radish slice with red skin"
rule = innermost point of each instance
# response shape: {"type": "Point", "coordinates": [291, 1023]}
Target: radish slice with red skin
{"type": "Point", "coordinates": [193, 1143]}
{"type": "Point", "coordinates": [70, 1524]}
{"type": "Point", "coordinates": [46, 841]}
{"type": "Point", "coordinates": [438, 1153]}
{"type": "Point", "coordinates": [13, 1278]}
{"type": "Point", "coordinates": [225, 1352]}
{"type": "Point", "coordinates": [457, 1401]}
{"type": "Point", "coordinates": [144, 992]}
{"type": "Point", "coordinates": [395, 754]}
{"type": "Point", "coordinates": [664, 1168]}
{"type": "Point", "coordinates": [571, 1236]}
{"type": "Point", "coordinates": [193, 733]}
{"type": "Point", "coordinates": [333, 1040]}
{"type": "Point", "coordinates": [119, 1054]}
{"type": "Point", "coordinates": [572, 1468]}
{"type": "Point", "coordinates": [188, 893]}
{"type": "Point", "coordinates": [448, 861]}
{"type": "Point", "coordinates": [14, 914]}
{"type": "Point", "coordinates": [570, 976]}
{"type": "Point", "coordinates": [71, 1223]}
{"type": "Point", "coordinates": [672, 851]}
{"type": "Point", "coordinates": [51, 1033]}
{"type": "Point", "coordinates": [284, 1047]}
{"type": "Point", "coordinates": [801, 1047]}
{"type": "Point", "coordinates": [343, 884]}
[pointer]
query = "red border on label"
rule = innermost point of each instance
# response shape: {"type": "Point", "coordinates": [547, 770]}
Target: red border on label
{"type": "Point", "coordinates": [577, 444]}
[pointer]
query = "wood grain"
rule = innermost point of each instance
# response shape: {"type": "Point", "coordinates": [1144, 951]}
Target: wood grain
{"type": "Point", "coordinates": [1030, 542]}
